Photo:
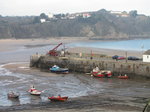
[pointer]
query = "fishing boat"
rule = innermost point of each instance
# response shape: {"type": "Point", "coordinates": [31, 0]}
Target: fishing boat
{"type": "Point", "coordinates": [57, 69]}
{"type": "Point", "coordinates": [13, 95]}
{"type": "Point", "coordinates": [123, 77]}
{"type": "Point", "coordinates": [34, 91]}
{"type": "Point", "coordinates": [58, 98]}
{"type": "Point", "coordinates": [101, 73]}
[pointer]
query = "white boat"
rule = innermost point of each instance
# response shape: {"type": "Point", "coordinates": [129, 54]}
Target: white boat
{"type": "Point", "coordinates": [34, 91]}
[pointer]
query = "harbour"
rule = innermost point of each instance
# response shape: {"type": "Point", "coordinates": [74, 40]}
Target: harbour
{"type": "Point", "coordinates": [79, 86]}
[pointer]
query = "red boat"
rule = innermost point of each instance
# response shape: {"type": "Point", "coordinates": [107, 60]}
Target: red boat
{"type": "Point", "coordinates": [123, 77]}
{"type": "Point", "coordinates": [34, 91]}
{"type": "Point", "coordinates": [58, 98]}
{"type": "Point", "coordinates": [96, 72]}
{"type": "Point", "coordinates": [102, 74]}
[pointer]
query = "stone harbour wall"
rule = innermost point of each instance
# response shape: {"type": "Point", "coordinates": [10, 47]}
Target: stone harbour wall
{"type": "Point", "coordinates": [85, 65]}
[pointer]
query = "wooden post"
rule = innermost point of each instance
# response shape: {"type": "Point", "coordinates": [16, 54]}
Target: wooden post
{"type": "Point", "coordinates": [126, 57]}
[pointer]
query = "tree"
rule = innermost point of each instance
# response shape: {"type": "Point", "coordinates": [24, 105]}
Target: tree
{"type": "Point", "coordinates": [43, 16]}
{"type": "Point", "coordinates": [133, 13]}
{"type": "Point", "coordinates": [103, 11]}
{"type": "Point", "coordinates": [36, 19]}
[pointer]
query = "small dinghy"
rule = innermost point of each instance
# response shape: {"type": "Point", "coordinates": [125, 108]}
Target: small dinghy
{"type": "Point", "coordinates": [58, 98]}
{"type": "Point", "coordinates": [13, 95]}
{"type": "Point", "coordinates": [34, 91]}
{"type": "Point", "coordinates": [57, 69]}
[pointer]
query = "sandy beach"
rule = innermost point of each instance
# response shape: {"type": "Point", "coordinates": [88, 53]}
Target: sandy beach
{"type": "Point", "coordinates": [12, 44]}
{"type": "Point", "coordinates": [107, 102]}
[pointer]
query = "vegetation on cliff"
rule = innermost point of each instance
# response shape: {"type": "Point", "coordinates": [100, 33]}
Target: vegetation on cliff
{"type": "Point", "coordinates": [99, 25]}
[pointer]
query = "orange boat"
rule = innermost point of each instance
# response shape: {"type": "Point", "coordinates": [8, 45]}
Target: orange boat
{"type": "Point", "coordinates": [123, 77]}
{"type": "Point", "coordinates": [58, 98]}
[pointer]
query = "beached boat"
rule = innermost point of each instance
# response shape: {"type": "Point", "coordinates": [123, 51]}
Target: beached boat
{"type": "Point", "coordinates": [34, 91]}
{"type": "Point", "coordinates": [101, 73]}
{"type": "Point", "coordinates": [123, 77]}
{"type": "Point", "coordinates": [57, 69]}
{"type": "Point", "coordinates": [58, 98]}
{"type": "Point", "coordinates": [13, 95]}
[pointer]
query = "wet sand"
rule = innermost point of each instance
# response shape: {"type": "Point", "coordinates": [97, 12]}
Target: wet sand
{"type": "Point", "coordinates": [94, 103]}
{"type": "Point", "coordinates": [102, 102]}
{"type": "Point", "coordinates": [12, 44]}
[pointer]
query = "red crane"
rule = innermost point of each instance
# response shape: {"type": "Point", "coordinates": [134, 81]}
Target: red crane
{"type": "Point", "coordinates": [53, 52]}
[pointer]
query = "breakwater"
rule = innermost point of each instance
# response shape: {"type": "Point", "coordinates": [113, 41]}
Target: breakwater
{"type": "Point", "coordinates": [85, 64]}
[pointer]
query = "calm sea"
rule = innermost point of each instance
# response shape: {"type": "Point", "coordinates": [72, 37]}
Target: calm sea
{"type": "Point", "coordinates": [138, 44]}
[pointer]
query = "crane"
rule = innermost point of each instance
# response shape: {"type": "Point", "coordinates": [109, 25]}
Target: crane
{"type": "Point", "coordinates": [53, 52]}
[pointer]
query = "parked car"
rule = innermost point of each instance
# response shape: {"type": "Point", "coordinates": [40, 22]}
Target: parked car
{"type": "Point", "coordinates": [121, 58]}
{"type": "Point", "coordinates": [133, 58]}
{"type": "Point", "coordinates": [118, 57]}
{"type": "Point", "coordinates": [115, 57]}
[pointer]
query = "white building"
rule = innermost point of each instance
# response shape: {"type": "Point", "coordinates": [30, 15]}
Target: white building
{"type": "Point", "coordinates": [50, 15]}
{"type": "Point", "coordinates": [86, 15]}
{"type": "Point", "coordinates": [43, 20]}
{"type": "Point", "coordinates": [120, 13]}
{"type": "Point", "coordinates": [146, 56]}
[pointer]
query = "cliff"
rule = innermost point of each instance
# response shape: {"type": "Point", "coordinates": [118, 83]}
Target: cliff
{"type": "Point", "coordinates": [100, 25]}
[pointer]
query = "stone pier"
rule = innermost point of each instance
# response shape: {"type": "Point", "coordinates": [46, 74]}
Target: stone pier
{"type": "Point", "coordinates": [85, 65]}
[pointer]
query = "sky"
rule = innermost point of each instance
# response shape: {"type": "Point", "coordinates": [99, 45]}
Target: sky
{"type": "Point", "coordinates": [36, 7]}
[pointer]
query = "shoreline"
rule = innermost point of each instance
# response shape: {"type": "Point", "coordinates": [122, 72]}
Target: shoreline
{"type": "Point", "coordinates": [12, 44]}
{"type": "Point", "coordinates": [100, 102]}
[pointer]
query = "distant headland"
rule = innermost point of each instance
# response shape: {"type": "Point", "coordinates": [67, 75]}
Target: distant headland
{"type": "Point", "coordinates": [101, 24]}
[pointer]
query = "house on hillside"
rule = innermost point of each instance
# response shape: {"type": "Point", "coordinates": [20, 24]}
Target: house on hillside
{"type": "Point", "coordinates": [146, 56]}
{"type": "Point", "coordinates": [42, 20]}
{"type": "Point", "coordinates": [50, 15]}
{"type": "Point", "coordinates": [120, 13]}
{"type": "Point", "coordinates": [86, 15]}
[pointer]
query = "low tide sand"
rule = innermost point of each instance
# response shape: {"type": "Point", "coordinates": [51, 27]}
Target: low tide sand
{"type": "Point", "coordinates": [13, 44]}
{"type": "Point", "coordinates": [96, 103]}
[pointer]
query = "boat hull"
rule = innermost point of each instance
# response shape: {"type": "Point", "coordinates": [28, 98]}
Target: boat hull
{"type": "Point", "coordinates": [35, 92]}
{"type": "Point", "coordinates": [13, 95]}
{"type": "Point", "coordinates": [61, 99]}
{"type": "Point", "coordinates": [123, 77]}
{"type": "Point", "coordinates": [102, 74]}
{"type": "Point", "coordinates": [60, 70]}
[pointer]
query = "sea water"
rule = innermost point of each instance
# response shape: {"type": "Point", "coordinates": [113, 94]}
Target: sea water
{"type": "Point", "coordinates": [137, 44]}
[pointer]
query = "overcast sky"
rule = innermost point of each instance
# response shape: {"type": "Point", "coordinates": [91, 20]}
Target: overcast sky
{"type": "Point", "coordinates": [35, 7]}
